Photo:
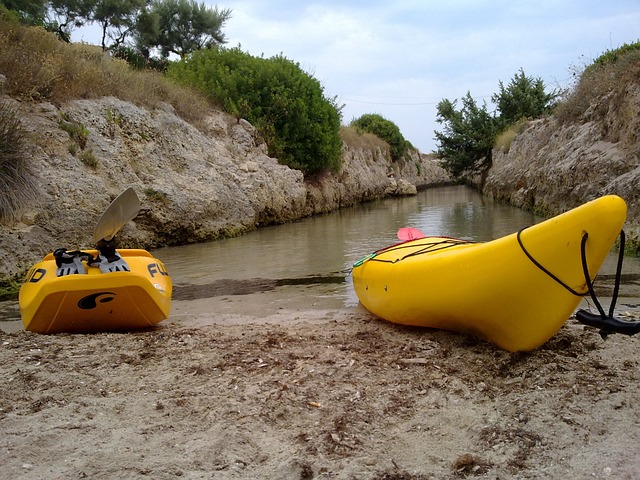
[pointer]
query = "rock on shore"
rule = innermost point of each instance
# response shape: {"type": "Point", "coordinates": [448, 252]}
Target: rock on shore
{"type": "Point", "coordinates": [552, 167]}
{"type": "Point", "coordinates": [196, 182]}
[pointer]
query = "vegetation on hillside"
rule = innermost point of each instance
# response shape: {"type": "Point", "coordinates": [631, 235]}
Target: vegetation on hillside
{"type": "Point", "coordinates": [470, 132]}
{"type": "Point", "coordinates": [38, 66]}
{"type": "Point", "coordinates": [300, 126]}
{"type": "Point", "coordinates": [609, 75]}
{"type": "Point", "coordinates": [170, 26]}
{"type": "Point", "coordinates": [384, 129]}
{"type": "Point", "coordinates": [16, 184]}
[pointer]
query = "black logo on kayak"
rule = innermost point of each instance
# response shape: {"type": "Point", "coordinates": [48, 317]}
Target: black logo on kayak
{"type": "Point", "coordinates": [91, 301]}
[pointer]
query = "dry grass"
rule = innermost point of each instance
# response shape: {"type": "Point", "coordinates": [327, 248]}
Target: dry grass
{"type": "Point", "coordinates": [17, 185]}
{"type": "Point", "coordinates": [599, 81]}
{"type": "Point", "coordinates": [40, 67]}
{"type": "Point", "coordinates": [503, 141]}
{"type": "Point", "coordinates": [355, 139]}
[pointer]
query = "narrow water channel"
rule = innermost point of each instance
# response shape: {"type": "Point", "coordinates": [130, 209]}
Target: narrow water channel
{"type": "Point", "coordinates": [305, 264]}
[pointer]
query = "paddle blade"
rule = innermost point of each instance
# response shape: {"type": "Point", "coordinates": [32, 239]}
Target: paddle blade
{"type": "Point", "coordinates": [122, 210]}
{"type": "Point", "coordinates": [409, 233]}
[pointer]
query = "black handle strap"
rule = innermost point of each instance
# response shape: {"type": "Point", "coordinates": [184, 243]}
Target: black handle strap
{"type": "Point", "coordinates": [607, 324]}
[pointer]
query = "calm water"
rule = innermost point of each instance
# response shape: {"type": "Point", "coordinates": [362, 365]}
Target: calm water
{"type": "Point", "coordinates": [328, 244]}
{"type": "Point", "coordinates": [305, 264]}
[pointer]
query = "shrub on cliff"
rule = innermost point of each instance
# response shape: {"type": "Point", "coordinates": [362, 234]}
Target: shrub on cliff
{"type": "Point", "coordinates": [15, 183]}
{"type": "Point", "coordinates": [608, 76]}
{"type": "Point", "coordinates": [470, 133]}
{"type": "Point", "coordinates": [287, 105]}
{"type": "Point", "coordinates": [384, 129]}
{"type": "Point", "coordinates": [465, 144]}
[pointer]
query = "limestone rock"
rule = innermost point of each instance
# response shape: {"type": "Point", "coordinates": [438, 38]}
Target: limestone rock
{"type": "Point", "coordinates": [551, 167]}
{"type": "Point", "coordinates": [195, 183]}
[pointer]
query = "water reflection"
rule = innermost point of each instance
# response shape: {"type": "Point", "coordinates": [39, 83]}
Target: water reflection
{"type": "Point", "coordinates": [326, 246]}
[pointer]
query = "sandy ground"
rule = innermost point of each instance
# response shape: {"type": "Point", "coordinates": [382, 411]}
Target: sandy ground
{"type": "Point", "coordinates": [302, 393]}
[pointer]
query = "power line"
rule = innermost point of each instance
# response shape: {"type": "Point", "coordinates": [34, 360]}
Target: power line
{"type": "Point", "coordinates": [388, 103]}
{"type": "Point", "coordinates": [395, 104]}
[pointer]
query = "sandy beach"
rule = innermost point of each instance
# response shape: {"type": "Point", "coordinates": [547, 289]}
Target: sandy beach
{"type": "Point", "coordinates": [301, 393]}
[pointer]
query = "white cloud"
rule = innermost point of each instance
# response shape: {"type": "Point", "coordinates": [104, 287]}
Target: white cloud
{"type": "Point", "coordinates": [400, 58]}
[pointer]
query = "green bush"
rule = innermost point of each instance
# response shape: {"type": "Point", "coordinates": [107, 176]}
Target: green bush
{"type": "Point", "coordinates": [9, 288]}
{"type": "Point", "coordinates": [610, 57]}
{"type": "Point", "coordinates": [287, 105]}
{"type": "Point", "coordinates": [77, 131]}
{"type": "Point", "coordinates": [384, 129]}
{"type": "Point", "coordinates": [138, 61]}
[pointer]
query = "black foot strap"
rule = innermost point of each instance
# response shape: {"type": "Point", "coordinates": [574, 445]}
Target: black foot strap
{"type": "Point", "coordinates": [607, 324]}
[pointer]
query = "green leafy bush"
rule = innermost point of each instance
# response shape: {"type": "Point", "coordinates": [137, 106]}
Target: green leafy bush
{"type": "Point", "coordinates": [384, 129]}
{"type": "Point", "coordinates": [470, 133]}
{"type": "Point", "coordinates": [139, 61]}
{"type": "Point", "coordinates": [610, 57]}
{"type": "Point", "coordinates": [465, 144]}
{"type": "Point", "coordinates": [287, 105]}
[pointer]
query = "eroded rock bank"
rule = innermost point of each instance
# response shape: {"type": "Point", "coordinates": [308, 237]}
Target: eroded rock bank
{"type": "Point", "coordinates": [552, 167]}
{"type": "Point", "coordinates": [196, 183]}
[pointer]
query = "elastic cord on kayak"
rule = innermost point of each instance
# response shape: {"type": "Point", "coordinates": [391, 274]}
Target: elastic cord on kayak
{"type": "Point", "coordinates": [428, 247]}
{"type": "Point", "coordinates": [606, 323]}
{"type": "Point", "coordinates": [541, 267]}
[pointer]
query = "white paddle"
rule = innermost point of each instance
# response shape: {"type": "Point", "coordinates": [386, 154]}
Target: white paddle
{"type": "Point", "coordinates": [123, 209]}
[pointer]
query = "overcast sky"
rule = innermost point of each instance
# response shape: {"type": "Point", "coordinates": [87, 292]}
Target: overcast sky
{"type": "Point", "coordinates": [399, 58]}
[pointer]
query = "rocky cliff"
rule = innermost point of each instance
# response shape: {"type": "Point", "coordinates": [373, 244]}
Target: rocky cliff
{"type": "Point", "coordinates": [552, 167]}
{"type": "Point", "coordinates": [196, 182]}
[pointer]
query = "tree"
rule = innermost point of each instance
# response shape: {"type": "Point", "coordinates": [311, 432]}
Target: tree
{"type": "Point", "coordinates": [469, 133]}
{"type": "Point", "coordinates": [384, 129]}
{"type": "Point", "coordinates": [524, 97]}
{"type": "Point", "coordinates": [180, 27]}
{"type": "Point", "coordinates": [69, 14]}
{"type": "Point", "coordinates": [30, 12]}
{"type": "Point", "coordinates": [116, 18]}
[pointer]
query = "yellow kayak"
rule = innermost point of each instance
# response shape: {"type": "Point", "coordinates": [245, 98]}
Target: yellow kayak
{"type": "Point", "coordinates": [66, 292]}
{"type": "Point", "coordinates": [515, 292]}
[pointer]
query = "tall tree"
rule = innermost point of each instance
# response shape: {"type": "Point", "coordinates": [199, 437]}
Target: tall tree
{"type": "Point", "coordinates": [466, 143]}
{"type": "Point", "coordinates": [116, 18]}
{"type": "Point", "coordinates": [180, 27]}
{"type": "Point", "coordinates": [524, 97]}
{"type": "Point", "coordinates": [31, 12]}
{"type": "Point", "coordinates": [68, 14]}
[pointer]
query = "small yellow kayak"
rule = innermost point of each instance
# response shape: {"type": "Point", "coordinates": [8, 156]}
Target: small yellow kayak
{"type": "Point", "coordinates": [515, 292]}
{"type": "Point", "coordinates": [101, 290]}
{"type": "Point", "coordinates": [131, 291]}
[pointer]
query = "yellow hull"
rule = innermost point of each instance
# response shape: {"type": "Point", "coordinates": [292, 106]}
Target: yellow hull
{"type": "Point", "coordinates": [96, 301]}
{"type": "Point", "coordinates": [493, 290]}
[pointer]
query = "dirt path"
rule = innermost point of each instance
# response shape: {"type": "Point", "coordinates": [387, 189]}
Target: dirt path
{"type": "Point", "coordinates": [316, 394]}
